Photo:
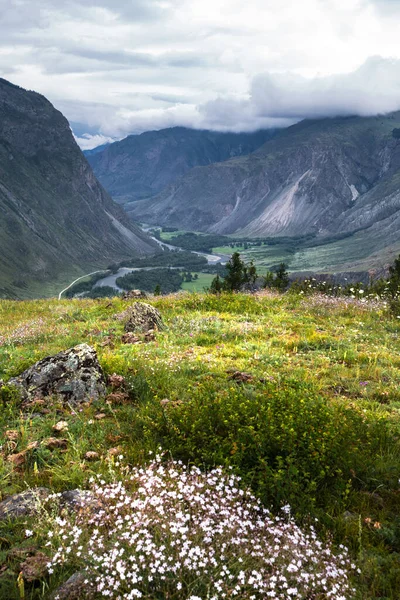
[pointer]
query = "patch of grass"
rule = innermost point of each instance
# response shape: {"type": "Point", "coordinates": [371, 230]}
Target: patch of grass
{"type": "Point", "coordinates": [197, 285]}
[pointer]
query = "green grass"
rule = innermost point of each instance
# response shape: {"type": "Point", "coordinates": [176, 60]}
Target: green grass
{"type": "Point", "coordinates": [167, 235]}
{"type": "Point", "coordinates": [317, 425]}
{"type": "Point", "coordinates": [204, 281]}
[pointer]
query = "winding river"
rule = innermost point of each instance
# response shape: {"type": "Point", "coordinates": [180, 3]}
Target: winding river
{"type": "Point", "coordinates": [111, 280]}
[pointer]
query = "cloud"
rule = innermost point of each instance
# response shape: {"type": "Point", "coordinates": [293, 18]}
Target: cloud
{"type": "Point", "coordinates": [124, 66]}
{"type": "Point", "coordinates": [276, 100]}
{"type": "Point", "coordinates": [88, 141]}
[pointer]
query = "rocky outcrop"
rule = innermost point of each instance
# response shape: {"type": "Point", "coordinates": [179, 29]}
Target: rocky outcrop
{"type": "Point", "coordinates": [74, 375]}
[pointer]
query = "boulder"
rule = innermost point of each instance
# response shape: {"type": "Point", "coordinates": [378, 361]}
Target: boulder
{"type": "Point", "coordinates": [74, 376]}
{"type": "Point", "coordinates": [23, 504]}
{"type": "Point", "coordinates": [143, 317]}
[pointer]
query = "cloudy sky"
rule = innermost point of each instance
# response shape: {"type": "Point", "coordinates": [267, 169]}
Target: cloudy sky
{"type": "Point", "coordinates": [115, 67]}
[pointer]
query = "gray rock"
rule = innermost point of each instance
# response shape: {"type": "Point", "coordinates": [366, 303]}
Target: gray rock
{"type": "Point", "coordinates": [74, 499]}
{"type": "Point", "coordinates": [143, 317]}
{"type": "Point", "coordinates": [74, 375]}
{"type": "Point", "coordinates": [73, 589]}
{"type": "Point", "coordinates": [132, 294]}
{"type": "Point", "coordinates": [25, 503]}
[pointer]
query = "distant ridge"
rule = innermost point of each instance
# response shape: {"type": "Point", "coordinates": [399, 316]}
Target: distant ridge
{"type": "Point", "coordinates": [140, 166]}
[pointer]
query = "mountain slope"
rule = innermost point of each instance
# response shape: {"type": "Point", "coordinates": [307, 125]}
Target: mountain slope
{"type": "Point", "coordinates": [56, 218]}
{"type": "Point", "coordinates": [305, 180]}
{"type": "Point", "coordinates": [140, 166]}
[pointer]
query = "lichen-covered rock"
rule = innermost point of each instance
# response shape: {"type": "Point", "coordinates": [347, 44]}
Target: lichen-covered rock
{"type": "Point", "coordinates": [25, 503]}
{"type": "Point", "coordinates": [74, 589]}
{"type": "Point", "coordinates": [74, 375]}
{"type": "Point", "coordinates": [142, 317]}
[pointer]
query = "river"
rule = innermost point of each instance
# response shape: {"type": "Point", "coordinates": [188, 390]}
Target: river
{"type": "Point", "coordinates": [111, 280]}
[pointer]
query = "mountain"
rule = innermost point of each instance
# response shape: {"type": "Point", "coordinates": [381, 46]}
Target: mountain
{"type": "Point", "coordinates": [56, 219]}
{"type": "Point", "coordinates": [328, 177]}
{"type": "Point", "coordinates": [140, 166]}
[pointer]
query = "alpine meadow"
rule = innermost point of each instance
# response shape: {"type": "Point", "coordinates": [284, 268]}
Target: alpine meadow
{"type": "Point", "coordinates": [199, 300]}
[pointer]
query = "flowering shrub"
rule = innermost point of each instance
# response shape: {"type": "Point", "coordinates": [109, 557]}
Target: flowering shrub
{"type": "Point", "coordinates": [175, 533]}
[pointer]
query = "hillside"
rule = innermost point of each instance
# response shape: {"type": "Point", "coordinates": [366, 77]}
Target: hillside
{"type": "Point", "coordinates": [299, 395]}
{"type": "Point", "coordinates": [324, 178]}
{"type": "Point", "coordinates": [56, 219]}
{"type": "Point", "coordinates": [140, 166]}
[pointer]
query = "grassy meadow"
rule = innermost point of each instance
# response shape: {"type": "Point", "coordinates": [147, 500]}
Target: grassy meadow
{"type": "Point", "coordinates": [299, 395]}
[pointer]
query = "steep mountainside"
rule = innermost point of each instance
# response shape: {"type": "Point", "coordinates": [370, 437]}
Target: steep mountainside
{"type": "Point", "coordinates": [56, 219]}
{"type": "Point", "coordinates": [140, 166]}
{"type": "Point", "coordinates": [315, 177]}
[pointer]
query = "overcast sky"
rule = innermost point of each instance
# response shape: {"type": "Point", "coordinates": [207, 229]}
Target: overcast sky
{"type": "Point", "coordinates": [115, 67]}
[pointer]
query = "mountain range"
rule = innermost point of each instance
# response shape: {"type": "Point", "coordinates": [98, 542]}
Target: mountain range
{"type": "Point", "coordinates": [336, 180]}
{"type": "Point", "coordinates": [141, 166]}
{"type": "Point", "coordinates": [57, 221]}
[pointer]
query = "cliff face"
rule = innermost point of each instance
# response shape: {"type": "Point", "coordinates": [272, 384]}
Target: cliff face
{"type": "Point", "coordinates": [55, 216]}
{"type": "Point", "coordinates": [140, 166]}
{"type": "Point", "coordinates": [322, 177]}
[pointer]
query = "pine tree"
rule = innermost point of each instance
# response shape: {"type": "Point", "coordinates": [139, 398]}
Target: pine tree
{"type": "Point", "coordinates": [216, 286]}
{"type": "Point", "coordinates": [394, 277]}
{"type": "Point", "coordinates": [281, 281]}
{"type": "Point", "coordinates": [237, 273]}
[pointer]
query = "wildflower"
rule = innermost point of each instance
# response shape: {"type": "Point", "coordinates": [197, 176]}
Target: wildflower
{"type": "Point", "coordinates": [168, 527]}
{"type": "Point", "coordinates": [28, 533]}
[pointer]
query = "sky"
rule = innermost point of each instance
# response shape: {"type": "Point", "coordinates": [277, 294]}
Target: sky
{"type": "Point", "coordinates": [116, 67]}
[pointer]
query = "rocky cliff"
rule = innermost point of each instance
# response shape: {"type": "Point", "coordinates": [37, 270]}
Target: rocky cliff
{"type": "Point", "coordinates": [56, 219]}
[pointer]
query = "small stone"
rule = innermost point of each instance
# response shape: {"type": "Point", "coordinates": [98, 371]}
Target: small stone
{"type": "Point", "coordinates": [55, 443]}
{"type": "Point", "coordinates": [91, 455]}
{"type": "Point", "coordinates": [17, 460]}
{"type": "Point", "coordinates": [133, 294]}
{"type": "Point", "coordinates": [131, 338]}
{"type": "Point", "coordinates": [22, 504]}
{"type": "Point", "coordinates": [118, 398]}
{"type": "Point", "coordinates": [165, 401]}
{"type": "Point", "coordinates": [116, 381]}
{"type": "Point", "coordinates": [74, 589]}
{"type": "Point", "coordinates": [32, 446]}
{"type": "Point", "coordinates": [241, 377]}
{"type": "Point", "coordinates": [114, 451]}
{"type": "Point", "coordinates": [100, 416]}
{"type": "Point", "coordinates": [141, 317]}
{"type": "Point", "coordinates": [60, 426]}
{"type": "Point", "coordinates": [34, 567]}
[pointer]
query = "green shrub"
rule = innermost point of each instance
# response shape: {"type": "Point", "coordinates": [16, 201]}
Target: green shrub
{"type": "Point", "coordinates": [289, 444]}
